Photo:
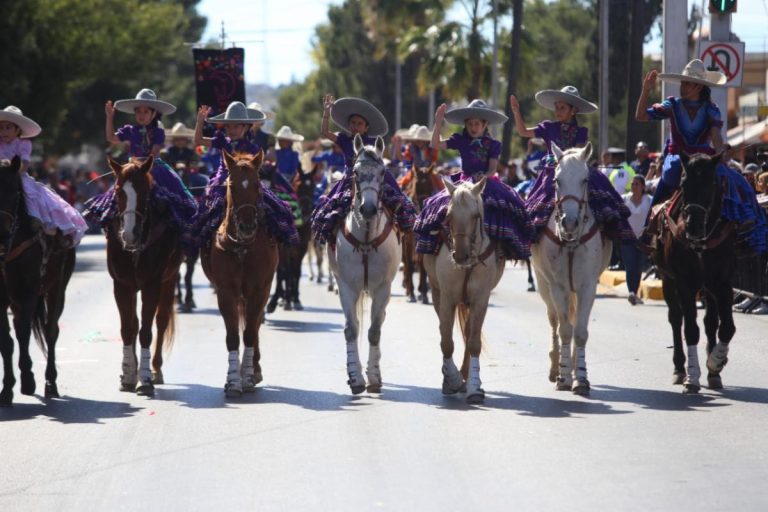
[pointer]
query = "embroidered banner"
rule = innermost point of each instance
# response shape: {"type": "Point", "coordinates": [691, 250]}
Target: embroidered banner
{"type": "Point", "coordinates": [219, 77]}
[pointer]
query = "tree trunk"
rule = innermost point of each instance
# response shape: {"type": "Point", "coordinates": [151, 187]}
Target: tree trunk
{"type": "Point", "coordinates": [512, 69]}
{"type": "Point", "coordinates": [634, 73]}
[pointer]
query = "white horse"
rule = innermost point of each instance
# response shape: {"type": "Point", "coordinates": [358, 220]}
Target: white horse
{"type": "Point", "coordinates": [568, 261]}
{"type": "Point", "coordinates": [365, 260]}
{"type": "Point", "coordinates": [463, 274]}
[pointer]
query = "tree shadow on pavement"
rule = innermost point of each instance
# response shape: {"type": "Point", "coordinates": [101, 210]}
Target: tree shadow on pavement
{"type": "Point", "coordinates": [69, 410]}
{"type": "Point", "coordinates": [658, 400]}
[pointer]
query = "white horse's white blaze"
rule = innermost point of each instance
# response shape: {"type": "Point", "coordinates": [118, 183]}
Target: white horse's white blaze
{"type": "Point", "coordinates": [568, 287]}
{"type": "Point", "coordinates": [129, 216]}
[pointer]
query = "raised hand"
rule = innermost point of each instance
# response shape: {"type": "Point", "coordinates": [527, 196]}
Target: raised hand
{"type": "Point", "coordinates": [650, 79]}
{"type": "Point", "coordinates": [513, 103]}
{"type": "Point", "coordinates": [109, 109]}
{"type": "Point", "coordinates": [328, 102]}
{"type": "Point", "coordinates": [203, 113]}
{"type": "Point", "coordinates": [440, 112]}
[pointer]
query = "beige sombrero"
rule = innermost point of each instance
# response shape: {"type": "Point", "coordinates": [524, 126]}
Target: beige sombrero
{"type": "Point", "coordinates": [404, 133]}
{"type": "Point", "coordinates": [285, 133]}
{"type": "Point", "coordinates": [145, 98]}
{"type": "Point", "coordinates": [477, 109]}
{"type": "Point", "coordinates": [420, 133]}
{"type": "Point", "coordinates": [343, 108]}
{"type": "Point", "coordinates": [257, 106]}
{"type": "Point", "coordinates": [238, 113]}
{"type": "Point", "coordinates": [180, 131]}
{"type": "Point", "coordinates": [695, 72]}
{"type": "Point", "coordinates": [568, 94]}
{"type": "Point", "coordinates": [28, 127]}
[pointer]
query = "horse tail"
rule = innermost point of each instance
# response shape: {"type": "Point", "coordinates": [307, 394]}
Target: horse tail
{"type": "Point", "coordinates": [165, 309]}
{"type": "Point", "coordinates": [38, 324]}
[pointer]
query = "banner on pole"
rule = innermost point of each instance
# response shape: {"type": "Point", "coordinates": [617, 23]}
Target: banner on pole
{"type": "Point", "coordinates": [219, 76]}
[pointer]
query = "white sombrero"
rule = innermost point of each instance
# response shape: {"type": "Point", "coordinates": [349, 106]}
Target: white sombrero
{"type": "Point", "coordinates": [404, 133]}
{"type": "Point", "coordinates": [257, 106]}
{"type": "Point", "coordinates": [180, 131]}
{"type": "Point", "coordinates": [28, 127]}
{"type": "Point", "coordinates": [238, 113]}
{"type": "Point", "coordinates": [145, 98]}
{"type": "Point", "coordinates": [344, 108]}
{"type": "Point", "coordinates": [568, 94]}
{"type": "Point", "coordinates": [695, 72]}
{"type": "Point", "coordinates": [477, 109]}
{"type": "Point", "coordinates": [420, 133]}
{"type": "Point", "coordinates": [286, 133]}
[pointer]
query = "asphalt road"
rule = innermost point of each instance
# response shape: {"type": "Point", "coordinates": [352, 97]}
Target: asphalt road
{"type": "Point", "coordinates": [302, 442]}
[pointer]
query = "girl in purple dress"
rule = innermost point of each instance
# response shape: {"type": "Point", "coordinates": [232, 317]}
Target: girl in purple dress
{"type": "Point", "coordinates": [357, 117]}
{"type": "Point", "coordinates": [505, 218]}
{"type": "Point", "coordinates": [233, 139]}
{"type": "Point", "coordinates": [145, 138]}
{"type": "Point", "coordinates": [606, 204]}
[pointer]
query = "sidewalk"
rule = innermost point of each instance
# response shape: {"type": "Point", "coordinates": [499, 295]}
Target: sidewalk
{"type": "Point", "coordinates": [649, 288]}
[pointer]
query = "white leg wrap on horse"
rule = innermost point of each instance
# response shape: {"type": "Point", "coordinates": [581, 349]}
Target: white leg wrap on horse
{"type": "Point", "coordinates": [353, 364]}
{"type": "Point", "coordinates": [566, 364]}
{"type": "Point", "coordinates": [718, 357]}
{"type": "Point", "coordinates": [234, 366]}
{"type": "Point", "coordinates": [373, 370]}
{"type": "Point", "coordinates": [474, 383]}
{"type": "Point", "coordinates": [129, 359]}
{"type": "Point", "coordinates": [247, 364]}
{"type": "Point", "coordinates": [694, 371]}
{"type": "Point", "coordinates": [145, 372]}
{"type": "Point", "coordinates": [581, 363]}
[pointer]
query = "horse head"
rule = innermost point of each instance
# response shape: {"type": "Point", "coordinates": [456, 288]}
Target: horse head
{"type": "Point", "coordinates": [243, 194]}
{"type": "Point", "coordinates": [571, 182]}
{"type": "Point", "coordinates": [304, 185]}
{"type": "Point", "coordinates": [368, 173]}
{"type": "Point", "coordinates": [700, 195]}
{"type": "Point", "coordinates": [11, 201]}
{"type": "Point", "coordinates": [465, 220]}
{"type": "Point", "coordinates": [133, 185]}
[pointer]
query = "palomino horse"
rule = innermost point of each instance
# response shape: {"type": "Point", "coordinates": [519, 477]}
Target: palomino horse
{"type": "Point", "coordinates": [695, 252]}
{"type": "Point", "coordinates": [365, 260]}
{"type": "Point", "coordinates": [143, 256]}
{"type": "Point", "coordinates": [33, 280]}
{"type": "Point", "coordinates": [462, 280]}
{"type": "Point", "coordinates": [568, 261]}
{"type": "Point", "coordinates": [418, 190]}
{"type": "Point", "coordinates": [241, 263]}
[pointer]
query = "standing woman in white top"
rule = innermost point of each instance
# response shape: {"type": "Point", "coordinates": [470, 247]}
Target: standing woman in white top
{"type": "Point", "coordinates": [639, 204]}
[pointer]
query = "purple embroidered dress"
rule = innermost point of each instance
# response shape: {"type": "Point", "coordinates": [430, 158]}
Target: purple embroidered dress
{"type": "Point", "coordinates": [167, 187]}
{"type": "Point", "coordinates": [606, 204]}
{"type": "Point", "coordinates": [505, 217]}
{"type": "Point", "coordinates": [333, 208]}
{"type": "Point", "coordinates": [277, 213]}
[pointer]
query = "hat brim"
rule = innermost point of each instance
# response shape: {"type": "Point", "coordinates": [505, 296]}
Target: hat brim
{"type": "Point", "coordinates": [547, 99]}
{"type": "Point", "coordinates": [459, 115]}
{"type": "Point", "coordinates": [292, 138]}
{"type": "Point", "coordinates": [714, 78]}
{"type": "Point", "coordinates": [186, 134]}
{"type": "Point", "coordinates": [343, 108]}
{"type": "Point", "coordinates": [28, 127]}
{"type": "Point", "coordinates": [254, 116]}
{"type": "Point", "coordinates": [416, 137]}
{"type": "Point", "coordinates": [128, 106]}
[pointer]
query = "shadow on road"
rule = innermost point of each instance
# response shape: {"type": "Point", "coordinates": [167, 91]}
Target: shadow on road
{"type": "Point", "coordinates": [673, 400]}
{"type": "Point", "coordinates": [303, 326]}
{"type": "Point", "coordinates": [69, 410]}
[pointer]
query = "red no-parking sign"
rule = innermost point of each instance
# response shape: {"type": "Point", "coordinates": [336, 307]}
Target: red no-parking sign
{"type": "Point", "coordinates": [725, 57]}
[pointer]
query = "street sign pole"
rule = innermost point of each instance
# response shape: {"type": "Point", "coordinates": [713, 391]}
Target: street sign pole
{"type": "Point", "coordinates": [720, 30]}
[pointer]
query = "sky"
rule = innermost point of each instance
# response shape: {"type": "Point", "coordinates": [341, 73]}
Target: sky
{"type": "Point", "coordinates": [276, 34]}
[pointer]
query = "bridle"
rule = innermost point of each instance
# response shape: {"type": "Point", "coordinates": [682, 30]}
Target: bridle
{"type": "Point", "coordinates": [711, 238]}
{"type": "Point", "coordinates": [239, 237]}
{"type": "Point", "coordinates": [142, 218]}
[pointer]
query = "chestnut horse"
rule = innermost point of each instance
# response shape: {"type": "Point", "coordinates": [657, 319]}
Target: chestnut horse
{"type": "Point", "coordinates": [241, 262]}
{"type": "Point", "coordinates": [143, 256]}
{"type": "Point", "coordinates": [33, 279]}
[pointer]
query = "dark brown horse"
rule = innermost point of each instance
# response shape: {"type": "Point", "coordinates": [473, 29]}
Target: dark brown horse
{"type": "Point", "coordinates": [34, 274]}
{"type": "Point", "coordinates": [694, 252]}
{"type": "Point", "coordinates": [424, 183]}
{"type": "Point", "coordinates": [143, 256]}
{"type": "Point", "coordinates": [241, 262]}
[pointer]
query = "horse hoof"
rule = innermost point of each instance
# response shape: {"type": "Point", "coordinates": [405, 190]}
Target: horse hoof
{"type": "Point", "coordinates": [146, 389]}
{"type": "Point", "coordinates": [563, 385]}
{"type": "Point", "coordinates": [183, 308]}
{"type": "Point", "coordinates": [476, 397]}
{"type": "Point", "coordinates": [157, 378]}
{"type": "Point", "coordinates": [233, 392]}
{"type": "Point", "coordinates": [297, 306]}
{"type": "Point", "coordinates": [330, 287]}
{"type": "Point", "coordinates": [581, 388]}
{"type": "Point", "coordinates": [691, 389]}
{"type": "Point", "coordinates": [411, 299]}
{"type": "Point", "coordinates": [448, 389]}
{"type": "Point", "coordinates": [249, 385]}
{"type": "Point", "coordinates": [6, 398]}
{"type": "Point", "coordinates": [28, 385]}
{"type": "Point", "coordinates": [271, 307]}
{"type": "Point", "coordinates": [678, 378]}
{"type": "Point", "coordinates": [424, 299]}
{"type": "Point", "coordinates": [373, 388]}
{"type": "Point", "coordinates": [51, 390]}
{"type": "Point", "coordinates": [714, 382]}
{"type": "Point", "coordinates": [287, 306]}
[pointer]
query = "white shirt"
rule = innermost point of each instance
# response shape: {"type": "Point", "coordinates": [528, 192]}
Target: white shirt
{"type": "Point", "coordinates": [639, 213]}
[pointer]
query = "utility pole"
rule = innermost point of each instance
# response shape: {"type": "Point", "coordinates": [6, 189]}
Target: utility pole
{"type": "Point", "coordinates": [720, 30]}
{"type": "Point", "coordinates": [495, 62]}
{"type": "Point", "coordinates": [675, 49]}
{"type": "Point", "coordinates": [398, 93]}
{"type": "Point", "coordinates": [223, 36]}
{"type": "Point", "coordinates": [603, 88]}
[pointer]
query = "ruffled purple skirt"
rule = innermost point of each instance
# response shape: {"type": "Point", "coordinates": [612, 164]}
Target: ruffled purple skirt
{"type": "Point", "coordinates": [606, 204]}
{"type": "Point", "coordinates": [505, 219]}
{"type": "Point", "coordinates": [167, 190]}
{"type": "Point", "coordinates": [740, 205]}
{"type": "Point", "coordinates": [333, 208]}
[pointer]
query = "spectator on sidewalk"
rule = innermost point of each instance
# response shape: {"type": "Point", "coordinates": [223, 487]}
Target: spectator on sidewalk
{"type": "Point", "coordinates": [639, 204]}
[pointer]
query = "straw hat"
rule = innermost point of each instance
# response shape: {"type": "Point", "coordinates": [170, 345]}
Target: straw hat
{"type": "Point", "coordinates": [28, 127]}
{"type": "Point", "coordinates": [180, 131]}
{"type": "Point", "coordinates": [695, 72]}
{"type": "Point", "coordinates": [344, 108]}
{"type": "Point", "coordinates": [145, 98]}
{"type": "Point", "coordinates": [568, 94]}
{"type": "Point", "coordinates": [404, 133]}
{"type": "Point", "coordinates": [285, 133]}
{"type": "Point", "coordinates": [238, 113]}
{"type": "Point", "coordinates": [477, 109]}
{"type": "Point", "coordinates": [420, 133]}
{"type": "Point", "coordinates": [257, 106]}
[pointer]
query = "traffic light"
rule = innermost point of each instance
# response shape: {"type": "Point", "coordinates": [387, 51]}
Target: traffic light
{"type": "Point", "coordinates": [722, 6]}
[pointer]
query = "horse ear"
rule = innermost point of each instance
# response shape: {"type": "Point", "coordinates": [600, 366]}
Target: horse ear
{"type": "Point", "coordinates": [116, 167]}
{"type": "Point", "coordinates": [380, 146]}
{"type": "Point", "coordinates": [147, 165]}
{"type": "Point", "coordinates": [478, 187]}
{"type": "Point", "coordinates": [358, 143]}
{"type": "Point", "coordinates": [684, 158]}
{"type": "Point", "coordinates": [258, 160]}
{"type": "Point", "coordinates": [229, 162]}
{"type": "Point", "coordinates": [557, 152]}
{"type": "Point", "coordinates": [449, 186]}
{"type": "Point", "coordinates": [586, 152]}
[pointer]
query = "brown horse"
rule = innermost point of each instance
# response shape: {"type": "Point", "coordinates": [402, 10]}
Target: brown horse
{"type": "Point", "coordinates": [33, 279]}
{"type": "Point", "coordinates": [241, 262]}
{"type": "Point", "coordinates": [143, 256]}
{"type": "Point", "coordinates": [424, 183]}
